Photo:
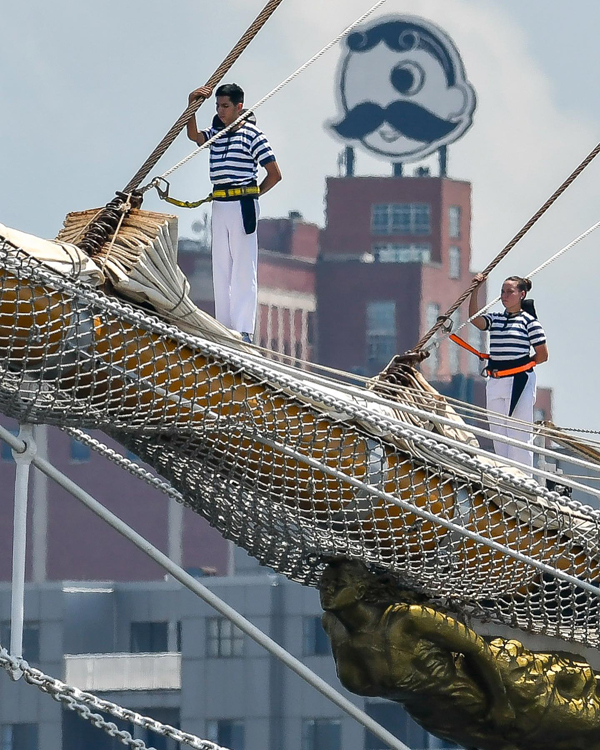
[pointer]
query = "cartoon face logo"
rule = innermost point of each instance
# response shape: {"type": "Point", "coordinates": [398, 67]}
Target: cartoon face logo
{"type": "Point", "coordinates": [403, 89]}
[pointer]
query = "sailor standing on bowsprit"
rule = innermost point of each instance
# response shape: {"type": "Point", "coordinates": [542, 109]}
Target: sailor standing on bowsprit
{"type": "Point", "coordinates": [234, 161]}
{"type": "Point", "coordinates": [511, 385]}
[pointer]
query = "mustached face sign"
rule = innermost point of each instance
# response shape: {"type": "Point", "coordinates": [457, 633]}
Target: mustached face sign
{"type": "Point", "coordinates": [403, 89]}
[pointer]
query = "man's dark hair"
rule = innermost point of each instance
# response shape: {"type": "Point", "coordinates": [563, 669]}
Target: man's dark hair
{"type": "Point", "coordinates": [233, 91]}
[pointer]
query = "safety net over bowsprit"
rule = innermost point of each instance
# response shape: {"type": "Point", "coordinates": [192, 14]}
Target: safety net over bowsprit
{"type": "Point", "coordinates": [290, 466]}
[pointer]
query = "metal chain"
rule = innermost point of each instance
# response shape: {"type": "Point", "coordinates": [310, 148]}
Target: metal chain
{"type": "Point", "coordinates": [124, 463]}
{"type": "Point", "coordinates": [178, 126]}
{"type": "Point", "coordinates": [83, 703]}
{"type": "Point", "coordinates": [575, 429]}
{"type": "Point", "coordinates": [504, 252]}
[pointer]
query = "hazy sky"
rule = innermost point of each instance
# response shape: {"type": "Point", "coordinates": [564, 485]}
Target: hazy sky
{"type": "Point", "coordinates": [88, 90]}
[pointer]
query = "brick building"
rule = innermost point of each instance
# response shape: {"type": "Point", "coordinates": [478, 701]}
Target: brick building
{"type": "Point", "coordinates": [395, 254]}
{"type": "Point", "coordinates": [398, 248]}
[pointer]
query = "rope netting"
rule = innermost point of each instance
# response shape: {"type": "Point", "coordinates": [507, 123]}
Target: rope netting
{"type": "Point", "coordinates": [293, 469]}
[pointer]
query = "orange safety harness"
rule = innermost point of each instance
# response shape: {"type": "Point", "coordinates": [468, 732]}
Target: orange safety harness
{"type": "Point", "coordinates": [483, 357]}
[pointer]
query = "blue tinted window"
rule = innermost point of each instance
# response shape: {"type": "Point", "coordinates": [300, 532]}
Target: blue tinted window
{"type": "Point", "coordinates": [80, 452]}
{"type": "Point", "coordinates": [316, 642]}
{"type": "Point", "coordinates": [19, 737]}
{"type": "Point", "coordinates": [149, 637]}
{"type": "Point", "coordinates": [31, 640]}
{"type": "Point", "coordinates": [321, 734]}
{"type": "Point", "coordinates": [226, 732]}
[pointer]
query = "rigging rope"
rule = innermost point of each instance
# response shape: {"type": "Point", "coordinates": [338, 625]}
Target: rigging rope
{"type": "Point", "coordinates": [178, 126]}
{"type": "Point", "coordinates": [223, 426]}
{"type": "Point", "coordinates": [451, 447]}
{"type": "Point", "coordinates": [504, 252]}
{"type": "Point", "coordinates": [278, 88]}
{"type": "Point", "coordinates": [583, 235]}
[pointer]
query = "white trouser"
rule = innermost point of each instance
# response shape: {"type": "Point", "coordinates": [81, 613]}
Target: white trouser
{"type": "Point", "coordinates": [498, 395]}
{"type": "Point", "coordinates": [234, 267]}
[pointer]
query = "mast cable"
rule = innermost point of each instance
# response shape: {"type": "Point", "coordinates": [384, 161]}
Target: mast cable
{"type": "Point", "coordinates": [583, 235]}
{"type": "Point", "coordinates": [223, 68]}
{"type": "Point", "coordinates": [278, 88]}
{"type": "Point", "coordinates": [504, 252]}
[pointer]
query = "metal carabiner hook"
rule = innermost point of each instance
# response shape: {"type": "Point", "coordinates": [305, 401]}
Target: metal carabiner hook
{"type": "Point", "coordinates": [164, 194]}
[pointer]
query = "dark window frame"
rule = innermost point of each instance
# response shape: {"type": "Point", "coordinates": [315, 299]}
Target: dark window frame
{"type": "Point", "coordinates": [156, 639]}
{"type": "Point", "coordinates": [313, 730]}
{"type": "Point", "coordinates": [31, 639]}
{"type": "Point", "coordinates": [230, 733]}
{"type": "Point", "coordinates": [223, 639]}
{"type": "Point", "coordinates": [401, 219]}
{"type": "Point", "coordinates": [315, 641]}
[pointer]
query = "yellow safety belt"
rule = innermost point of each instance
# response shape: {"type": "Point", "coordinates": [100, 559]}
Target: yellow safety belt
{"type": "Point", "coordinates": [237, 192]}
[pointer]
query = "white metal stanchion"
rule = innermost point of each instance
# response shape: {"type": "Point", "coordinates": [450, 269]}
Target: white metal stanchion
{"type": "Point", "coordinates": [205, 594]}
{"type": "Point", "coordinates": [23, 462]}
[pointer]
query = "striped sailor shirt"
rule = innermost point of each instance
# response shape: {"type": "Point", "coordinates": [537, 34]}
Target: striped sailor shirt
{"type": "Point", "coordinates": [512, 336]}
{"type": "Point", "coordinates": [235, 156]}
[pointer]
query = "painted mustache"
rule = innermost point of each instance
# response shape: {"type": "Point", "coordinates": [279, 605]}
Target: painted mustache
{"type": "Point", "coordinates": [408, 118]}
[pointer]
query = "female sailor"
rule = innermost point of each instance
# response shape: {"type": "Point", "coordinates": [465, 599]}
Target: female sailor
{"type": "Point", "coordinates": [511, 385]}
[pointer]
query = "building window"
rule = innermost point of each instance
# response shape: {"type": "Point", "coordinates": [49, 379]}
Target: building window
{"type": "Point", "coordinates": [381, 331]}
{"type": "Point", "coordinates": [226, 732]}
{"type": "Point", "coordinates": [398, 722]}
{"type": "Point", "coordinates": [454, 214]}
{"type": "Point", "coordinates": [310, 328]}
{"type": "Point", "coordinates": [19, 737]}
{"type": "Point", "coordinates": [401, 218]}
{"type": "Point", "coordinates": [433, 361]}
{"type": "Point", "coordinates": [31, 641]}
{"type": "Point", "coordinates": [170, 716]}
{"type": "Point", "coordinates": [321, 734]}
{"type": "Point", "coordinates": [380, 219]}
{"type": "Point", "coordinates": [477, 340]}
{"type": "Point", "coordinates": [223, 639]}
{"type": "Point", "coordinates": [315, 639]}
{"type": "Point", "coordinates": [454, 263]}
{"type": "Point", "coordinates": [149, 637]}
{"type": "Point", "coordinates": [539, 415]}
{"type": "Point", "coordinates": [80, 453]}
{"type": "Point", "coordinates": [6, 449]}
{"type": "Point", "coordinates": [392, 252]}
{"type": "Point", "coordinates": [454, 349]}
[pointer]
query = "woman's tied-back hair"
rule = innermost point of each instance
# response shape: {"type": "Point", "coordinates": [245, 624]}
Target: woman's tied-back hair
{"type": "Point", "coordinates": [523, 285]}
{"type": "Point", "coordinates": [233, 91]}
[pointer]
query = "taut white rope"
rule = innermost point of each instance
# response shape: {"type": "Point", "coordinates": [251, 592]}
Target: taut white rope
{"type": "Point", "coordinates": [442, 337]}
{"type": "Point", "coordinates": [278, 88]}
{"type": "Point", "coordinates": [295, 469]}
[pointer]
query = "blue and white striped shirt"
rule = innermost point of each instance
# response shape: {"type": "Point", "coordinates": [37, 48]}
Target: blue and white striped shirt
{"type": "Point", "coordinates": [512, 336]}
{"type": "Point", "coordinates": [234, 157]}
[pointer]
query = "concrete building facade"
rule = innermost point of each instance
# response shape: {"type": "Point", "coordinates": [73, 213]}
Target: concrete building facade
{"type": "Point", "coordinates": [157, 649]}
